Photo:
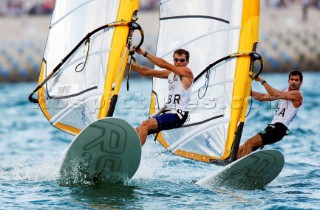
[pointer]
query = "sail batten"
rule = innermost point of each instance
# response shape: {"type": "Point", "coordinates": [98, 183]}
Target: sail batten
{"type": "Point", "coordinates": [195, 16]}
{"type": "Point", "coordinates": [53, 96]}
{"type": "Point", "coordinates": [214, 32]}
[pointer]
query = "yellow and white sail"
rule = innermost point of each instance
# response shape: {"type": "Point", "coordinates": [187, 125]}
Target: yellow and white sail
{"type": "Point", "coordinates": [209, 30]}
{"type": "Point", "coordinates": [79, 92]}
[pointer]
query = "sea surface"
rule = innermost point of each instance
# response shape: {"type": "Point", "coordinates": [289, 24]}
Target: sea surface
{"type": "Point", "coordinates": [31, 151]}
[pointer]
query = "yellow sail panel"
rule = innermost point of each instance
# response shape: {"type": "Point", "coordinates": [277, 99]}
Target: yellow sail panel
{"type": "Point", "coordinates": [119, 56]}
{"type": "Point", "coordinates": [74, 96]}
{"type": "Point", "coordinates": [252, 32]}
{"type": "Point", "coordinates": [41, 93]}
{"type": "Point", "coordinates": [248, 37]}
{"type": "Point", "coordinates": [209, 30]}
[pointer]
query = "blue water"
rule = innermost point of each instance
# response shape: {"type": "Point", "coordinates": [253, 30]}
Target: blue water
{"type": "Point", "coordinates": [31, 151]}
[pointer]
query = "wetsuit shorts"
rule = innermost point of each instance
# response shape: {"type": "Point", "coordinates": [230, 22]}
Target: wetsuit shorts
{"type": "Point", "coordinates": [172, 119]}
{"type": "Point", "coordinates": [273, 133]}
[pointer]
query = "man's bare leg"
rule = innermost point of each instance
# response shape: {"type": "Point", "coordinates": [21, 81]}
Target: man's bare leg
{"type": "Point", "coordinates": [249, 145]}
{"type": "Point", "coordinates": [145, 127]}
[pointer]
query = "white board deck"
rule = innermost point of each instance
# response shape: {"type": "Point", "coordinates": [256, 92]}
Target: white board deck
{"type": "Point", "coordinates": [253, 171]}
{"type": "Point", "coordinates": [108, 150]}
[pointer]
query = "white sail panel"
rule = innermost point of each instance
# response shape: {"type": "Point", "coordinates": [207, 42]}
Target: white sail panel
{"type": "Point", "coordinates": [209, 30]}
{"type": "Point", "coordinates": [72, 98]}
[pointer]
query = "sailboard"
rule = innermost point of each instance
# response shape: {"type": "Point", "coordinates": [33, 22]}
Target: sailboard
{"type": "Point", "coordinates": [85, 60]}
{"type": "Point", "coordinates": [222, 38]}
{"type": "Point", "coordinates": [251, 172]}
{"type": "Point", "coordinates": [107, 151]}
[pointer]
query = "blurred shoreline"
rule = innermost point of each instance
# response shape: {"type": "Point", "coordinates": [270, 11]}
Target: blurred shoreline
{"type": "Point", "coordinates": [286, 41]}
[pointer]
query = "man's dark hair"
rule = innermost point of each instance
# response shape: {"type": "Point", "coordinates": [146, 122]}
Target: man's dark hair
{"type": "Point", "coordinates": [181, 52]}
{"type": "Point", "coordinates": [295, 73]}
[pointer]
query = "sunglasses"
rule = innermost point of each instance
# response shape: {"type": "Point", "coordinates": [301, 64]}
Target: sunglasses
{"type": "Point", "coordinates": [178, 59]}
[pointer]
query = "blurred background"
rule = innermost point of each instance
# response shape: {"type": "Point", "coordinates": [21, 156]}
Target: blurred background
{"type": "Point", "coordinates": [289, 35]}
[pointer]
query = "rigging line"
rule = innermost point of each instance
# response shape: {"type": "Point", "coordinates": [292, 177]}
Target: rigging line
{"type": "Point", "coordinates": [195, 16]}
{"type": "Point", "coordinates": [130, 68]}
{"type": "Point", "coordinates": [252, 70]}
{"type": "Point", "coordinates": [234, 55]}
{"type": "Point", "coordinates": [201, 122]}
{"type": "Point", "coordinates": [129, 71]}
{"type": "Point", "coordinates": [81, 58]}
{"type": "Point", "coordinates": [250, 107]}
{"type": "Point", "coordinates": [205, 86]}
{"type": "Point", "coordinates": [216, 83]}
{"type": "Point", "coordinates": [116, 86]}
{"type": "Point", "coordinates": [157, 98]}
{"type": "Point", "coordinates": [129, 42]}
{"type": "Point", "coordinates": [121, 64]}
{"type": "Point", "coordinates": [87, 55]}
{"type": "Point", "coordinates": [45, 80]}
{"type": "Point", "coordinates": [133, 26]}
{"type": "Point", "coordinates": [254, 56]}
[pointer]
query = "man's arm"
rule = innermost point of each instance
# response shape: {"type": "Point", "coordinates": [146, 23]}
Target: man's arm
{"type": "Point", "coordinates": [262, 96]}
{"type": "Point", "coordinates": [293, 95]}
{"type": "Point", "coordinates": [145, 71]}
{"type": "Point", "coordinates": [182, 71]}
{"type": "Point", "coordinates": [273, 94]}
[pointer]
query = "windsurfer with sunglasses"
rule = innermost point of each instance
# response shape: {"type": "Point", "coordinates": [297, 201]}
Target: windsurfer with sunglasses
{"type": "Point", "coordinates": [180, 80]}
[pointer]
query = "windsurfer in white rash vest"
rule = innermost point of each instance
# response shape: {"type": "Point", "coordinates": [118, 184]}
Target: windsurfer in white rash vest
{"type": "Point", "coordinates": [290, 100]}
{"type": "Point", "coordinates": [180, 80]}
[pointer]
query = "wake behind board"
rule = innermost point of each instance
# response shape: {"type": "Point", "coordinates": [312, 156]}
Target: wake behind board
{"type": "Point", "coordinates": [108, 150]}
{"type": "Point", "coordinates": [253, 171]}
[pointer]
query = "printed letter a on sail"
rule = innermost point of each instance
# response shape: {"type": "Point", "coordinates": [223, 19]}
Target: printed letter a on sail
{"type": "Point", "coordinates": [79, 92]}
{"type": "Point", "coordinates": [209, 30]}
